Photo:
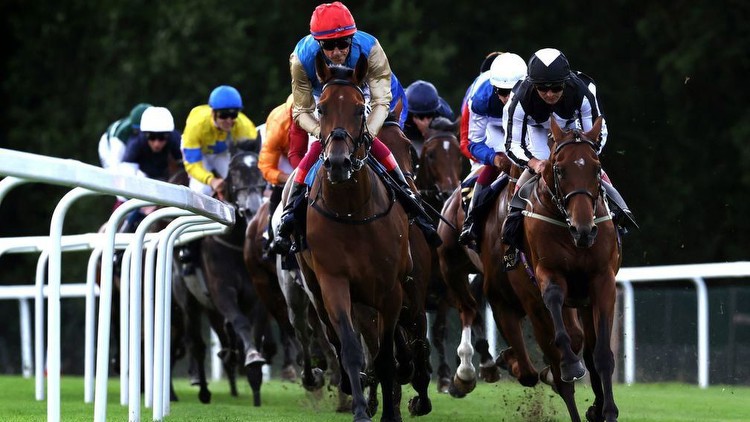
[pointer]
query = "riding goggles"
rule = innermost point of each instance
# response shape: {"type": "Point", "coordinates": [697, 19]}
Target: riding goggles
{"type": "Point", "coordinates": [545, 88]}
{"type": "Point", "coordinates": [228, 114]}
{"type": "Point", "coordinates": [340, 43]}
{"type": "Point", "coordinates": [503, 92]}
{"type": "Point", "coordinates": [158, 136]}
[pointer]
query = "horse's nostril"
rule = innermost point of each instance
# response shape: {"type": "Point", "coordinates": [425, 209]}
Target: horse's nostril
{"type": "Point", "coordinates": [347, 163]}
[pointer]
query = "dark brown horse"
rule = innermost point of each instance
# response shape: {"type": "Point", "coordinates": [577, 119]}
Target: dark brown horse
{"type": "Point", "coordinates": [571, 245]}
{"type": "Point", "coordinates": [221, 287]}
{"type": "Point", "coordinates": [357, 237]}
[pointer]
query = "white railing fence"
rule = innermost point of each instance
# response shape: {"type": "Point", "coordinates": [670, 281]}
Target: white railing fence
{"type": "Point", "coordinates": [695, 273]}
{"type": "Point", "coordinates": [204, 215]}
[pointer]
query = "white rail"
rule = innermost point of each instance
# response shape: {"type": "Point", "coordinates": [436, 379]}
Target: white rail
{"type": "Point", "coordinates": [87, 180]}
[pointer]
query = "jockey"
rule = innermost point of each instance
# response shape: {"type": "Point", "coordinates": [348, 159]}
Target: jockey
{"type": "Point", "coordinates": [334, 36]}
{"type": "Point", "coordinates": [490, 93]}
{"type": "Point", "coordinates": [424, 105]}
{"type": "Point", "coordinates": [463, 130]}
{"type": "Point", "coordinates": [209, 131]}
{"type": "Point", "coordinates": [150, 153]}
{"type": "Point", "coordinates": [114, 140]}
{"type": "Point", "coordinates": [550, 90]}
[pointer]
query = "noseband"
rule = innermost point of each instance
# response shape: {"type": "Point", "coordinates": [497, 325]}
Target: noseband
{"type": "Point", "coordinates": [340, 133]}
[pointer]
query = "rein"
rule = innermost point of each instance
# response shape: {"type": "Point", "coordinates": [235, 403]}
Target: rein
{"type": "Point", "coordinates": [316, 204]}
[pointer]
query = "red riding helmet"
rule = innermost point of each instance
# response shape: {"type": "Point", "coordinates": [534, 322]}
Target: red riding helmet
{"type": "Point", "coordinates": [332, 20]}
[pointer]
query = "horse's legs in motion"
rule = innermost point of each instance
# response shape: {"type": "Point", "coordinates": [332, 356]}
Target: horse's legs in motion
{"type": "Point", "coordinates": [599, 358]}
{"type": "Point", "coordinates": [438, 342]}
{"type": "Point", "coordinates": [350, 352]}
{"type": "Point", "coordinates": [571, 368]}
{"type": "Point", "coordinates": [228, 351]}
{"type": "Point", "coordinates": [385, 361]}
{"type": "Point", "coordinates": [196, 348]}
{"type": "Point", "coordinates": [488, 371]}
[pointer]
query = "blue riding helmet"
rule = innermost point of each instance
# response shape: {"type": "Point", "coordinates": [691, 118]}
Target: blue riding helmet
{"type": "Point", "coordinates": [422, 98]}
{"type": "Point", "coordinates": [224, 97]}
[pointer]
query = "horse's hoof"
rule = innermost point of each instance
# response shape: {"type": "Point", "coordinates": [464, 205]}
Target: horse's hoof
{"type": "Point", "coordinates": [443, 385]}
{"type": "Point", "coordinates": [315, 381]}
{"type": "Point", "coordinates": [204, 396]}
{"type": "Point", "coordinates": [253, 359]}
{"type": "Point", "coordinates": [546, 377]}
{"type": "Point", "coordinates": [460, 388]}
{"type": "Point", "coordinates": [592, 415]}
{"type": "Point", "coordinates": [419, 407]}
{"type": "Point", "coordinates": [572, 372]}
{"type": "Point", "coordinates": [288, 373]}
{"type": "Point", "coordinates": [489, 372]}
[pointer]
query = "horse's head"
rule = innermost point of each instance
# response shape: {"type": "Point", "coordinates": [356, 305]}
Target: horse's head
{"type": "Point", "coordinates": [245, 184]}
{"type": "Point", "coordinates": [343, 131]}
{"type": "Point", "coordinates": [440, 165]}
{"type": "Point", "coordinates": [575, 179]}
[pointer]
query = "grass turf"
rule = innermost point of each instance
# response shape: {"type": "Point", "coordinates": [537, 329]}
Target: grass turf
{"type": "Point", "coordinates": [283, 401]}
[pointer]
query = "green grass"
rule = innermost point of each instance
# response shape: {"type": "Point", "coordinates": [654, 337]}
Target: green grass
{"type": "Point", "coordinates": [504, 401]}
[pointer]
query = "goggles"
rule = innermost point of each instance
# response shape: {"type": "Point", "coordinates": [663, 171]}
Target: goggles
{"type": "Point", "coordinates": [340, 43]}
{"type": "Point", "coordinates": [228, 114]}
{"type": "Point", "coordinates": [546, 88]}
{"type": "Point", "coordinates": [158, 136]}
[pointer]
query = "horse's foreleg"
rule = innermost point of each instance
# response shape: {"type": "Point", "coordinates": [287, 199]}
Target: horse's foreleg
{"type": "Point", "coordinates": [602, 315]}
{"type": "Point", "coordinates": [465, 379]}
{"type": "Point", "coordinates": [571, 367]}
{"type": "Point", "coordinates": [517, 357]}
{"type": "Point", "coordinates": [351, 358]}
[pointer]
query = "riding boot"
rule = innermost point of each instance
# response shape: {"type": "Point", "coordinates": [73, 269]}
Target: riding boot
{"type": "Point", "coordinates": [621, 215]}
{"type": "Point", "coordinates": [470, 231]}
{"type": "Point", "coordinates": [512, 228]}
{"type": "Point", "coordinates": [412, 205]}
{"type": "Point", "coordinates": [282, 243]}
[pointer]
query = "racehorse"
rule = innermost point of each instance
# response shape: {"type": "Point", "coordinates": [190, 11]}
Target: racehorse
{"type": "Point", "coordinates": [222, 289]}
{"type": "Point", "coordinates": [439, 167]}
{"type": "Point", "coordinates": [572, 249]}
{"type": "Point", "coordinates": [357, 239]}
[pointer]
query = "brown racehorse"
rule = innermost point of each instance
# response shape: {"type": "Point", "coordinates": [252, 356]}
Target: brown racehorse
{"type": "Point", "coordinates": [357, 237]}
{"type": "Point", "coordinates": [572, 249]}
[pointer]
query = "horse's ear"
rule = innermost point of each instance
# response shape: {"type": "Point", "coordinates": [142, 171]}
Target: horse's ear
{"type": "Point", "coordinates": [321, 67]}
{"type": "Point", "coordinates": [360, 70]}
{"type": "Point", "coordinates": [557, 133]}
{"type": "Point", "coordinates": [593, 133]}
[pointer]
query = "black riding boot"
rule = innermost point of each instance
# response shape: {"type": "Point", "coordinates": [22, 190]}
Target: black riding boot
{"type": "Point", "coordinates": [412, 205]}
{"type": "Point", "coordinates": [282, 244]}
{"type": "Point", "coordinates": [622, 217]}
{"type": "Point", "coordinates": [512, 232]}
{"type": "Point", "coordinates": [470, 232]}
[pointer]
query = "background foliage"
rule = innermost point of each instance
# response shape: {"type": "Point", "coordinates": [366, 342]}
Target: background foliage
{"type": "Point", "coordinates": [670, 76]}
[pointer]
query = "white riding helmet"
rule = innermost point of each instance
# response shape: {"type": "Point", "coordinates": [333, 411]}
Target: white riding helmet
{"type": "Point", "coordinates": [157, 119]}
{"type": "Point", "coordinates": [506, 70]}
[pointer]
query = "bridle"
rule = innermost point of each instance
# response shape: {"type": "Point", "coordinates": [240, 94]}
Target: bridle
{"type": "Point", "coordinates": [340, 133]}
{"type": "Point", "coordinates": [561, 199]}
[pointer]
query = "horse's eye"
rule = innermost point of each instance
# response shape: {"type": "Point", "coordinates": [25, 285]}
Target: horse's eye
{"type": "Point", "coordinates": [321, 109]}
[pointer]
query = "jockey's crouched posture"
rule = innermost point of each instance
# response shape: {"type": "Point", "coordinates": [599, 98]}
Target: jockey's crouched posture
{"type": "Point", "coordinates": [550, 90]}
{"type": "Point", "coordinates": [334, 34]}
